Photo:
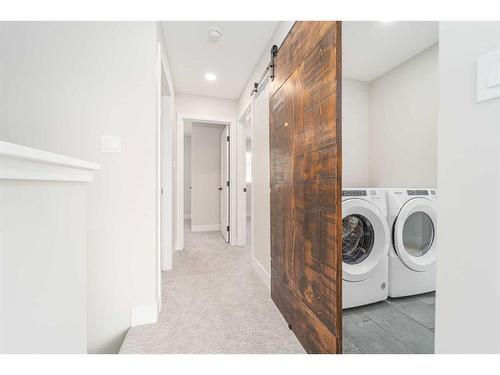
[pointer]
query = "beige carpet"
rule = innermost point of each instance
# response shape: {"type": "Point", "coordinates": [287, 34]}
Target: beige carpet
{"type": "Point", "coordinates": [213, 302]}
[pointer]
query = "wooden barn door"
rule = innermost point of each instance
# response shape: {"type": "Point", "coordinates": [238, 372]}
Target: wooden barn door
{"type": "Point", "coordinates": [306, 164]}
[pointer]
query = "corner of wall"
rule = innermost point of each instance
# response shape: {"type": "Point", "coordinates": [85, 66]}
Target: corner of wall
{"type": "Point", "coordinates": [261, 272]}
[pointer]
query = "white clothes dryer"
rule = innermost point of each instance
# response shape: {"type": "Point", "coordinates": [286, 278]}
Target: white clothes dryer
{"type": "Point", "coordinates": [412, 219]}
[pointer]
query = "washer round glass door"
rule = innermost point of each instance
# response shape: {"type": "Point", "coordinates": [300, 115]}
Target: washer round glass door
{"type": "Point", "coordinates": [415, 234]}
{"type": "Point", "coordinates": [357, 238]}
{"type": "Point", "coordinates": [365, 239]}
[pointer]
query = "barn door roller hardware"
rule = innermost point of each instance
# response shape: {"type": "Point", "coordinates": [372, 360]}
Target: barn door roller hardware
{"type": "Point", "coordinates": [269, 68]}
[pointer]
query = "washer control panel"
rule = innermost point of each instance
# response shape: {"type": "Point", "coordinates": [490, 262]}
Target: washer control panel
{"type": "Point", "coordinates": [370, 194]}
{"type": "Point", "coordinates": [354, 193]}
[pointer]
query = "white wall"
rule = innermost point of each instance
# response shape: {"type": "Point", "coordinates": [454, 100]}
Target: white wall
{"type": "Point", "coordinates": [277, 38]}
{"type": "Point", "coordinates": [68, 83]}
{"type": "Point", "coordinates": [206, 177]}
{"type": "Point", "coordinates": [205, 105]}
{"type": "Point", "coordinates": [468, 278]}
{"type": "Point", "coordinates": [355, 133]}
{"type": "Point", "coordinates": [43, 255]}
{"type": "Point", "coordinates": [403, 129]}
{"type": "Point", "coordinates": [187, 177]}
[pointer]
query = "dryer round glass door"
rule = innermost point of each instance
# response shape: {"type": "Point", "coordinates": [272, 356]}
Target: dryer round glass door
{"type": "Point", "coordinates": [365, 239]}
{"type": "Point", "coordinates": [415, 234]}
{"type": "Point", "coordinates": [418, 234]}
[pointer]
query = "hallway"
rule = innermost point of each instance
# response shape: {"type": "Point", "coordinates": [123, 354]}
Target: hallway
{"type": "Point", "coordinates": [213, 302]}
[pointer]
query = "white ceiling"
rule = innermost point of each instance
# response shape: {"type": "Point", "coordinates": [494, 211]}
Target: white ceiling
{"type": "Point", "coordinates": [232, 59]}
{"type": "Point", "coordinates": [371, 48]}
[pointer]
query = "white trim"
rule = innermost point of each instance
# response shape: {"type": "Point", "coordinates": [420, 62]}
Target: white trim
{"type": "Point", "coordinates": [262, 86]}
{"type": "Point", "coordinates": [252, 190]}
{"type": "Point", "coordinates": [167, 183]}
{"type": "Point", "coordinates": [159, 164]}
{"type": "Point", "coordinates": [12, 150]}
{"type": "Point", "coordinates": [179, 184]}
{"type": "Point", "coordinates": [261, 271]}
{"type": "Point", "coordinates": [205, 228]}
{"type": "Point", "coordinates": [158, 307]}
{"type": "Point", "coordinates": [231, 122]}
{"type": "Point", "coordinates": [233, 236]}
{"type": "Point", "coordinates": [224, 195]}
{"type": "Point", "coordinates": [24, 163]}
{"type": "Point", "coordinates": [144, 314]}
{"type": "Point", "coordinates": [163, 174]}
{"type": "Point", "coordinates": [244, 120]}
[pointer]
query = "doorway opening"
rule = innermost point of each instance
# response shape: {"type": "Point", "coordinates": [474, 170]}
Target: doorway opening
{"type": "Point", "coordinates": [207, 178]}
{"type": "Point", "coordinates": [205, 174]}
{"type": "Point", "coordinates": [389, 201]}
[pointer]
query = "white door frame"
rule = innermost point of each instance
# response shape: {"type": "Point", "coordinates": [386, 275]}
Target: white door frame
{"type": "Point", "coordinates": [231, 122]}
{"type": "Point", "coordinates": [225, 205]}
{"type": "Point", "coordinates": [245, 124]}
{"type": "Point", "coordinates": [163, 173]}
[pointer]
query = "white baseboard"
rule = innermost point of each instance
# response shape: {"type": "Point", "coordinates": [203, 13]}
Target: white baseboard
{"type": "Point", "coordinates": [177, 246]}
{"type": "Point", "coordinates": [187, 217]}
{"type": "Point", "coordinates": [261, 271]}
{"type": "Point", "coordinates": [166, 259]}
{"type": "Point", "coordinates": [205, 228]}
{"type": "Point", "coordinates": [143, 314]}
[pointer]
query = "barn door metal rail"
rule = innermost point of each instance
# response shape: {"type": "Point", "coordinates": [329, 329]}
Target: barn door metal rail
{"type": "Point", "coordinates": [269, 68]}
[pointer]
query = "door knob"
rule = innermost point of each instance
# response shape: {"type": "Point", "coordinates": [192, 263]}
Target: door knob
{"type": "Point", "coordinates": [220, 189]}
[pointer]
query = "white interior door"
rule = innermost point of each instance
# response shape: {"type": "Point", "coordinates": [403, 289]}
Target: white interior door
{"type": "Point", "coordinates": [224, 184]}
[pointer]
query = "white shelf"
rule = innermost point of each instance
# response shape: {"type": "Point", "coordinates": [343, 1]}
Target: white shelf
{"type": "Point", "coordinates": [24, 163]}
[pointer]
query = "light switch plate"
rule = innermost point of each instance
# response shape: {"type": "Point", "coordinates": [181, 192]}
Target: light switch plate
{"type": "Point", "coordinates": [488, 76]}
{"type": "Point", "coordinates": [111, 143]}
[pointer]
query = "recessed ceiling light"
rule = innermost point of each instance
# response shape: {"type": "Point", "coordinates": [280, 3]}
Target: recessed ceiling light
{"type": "Point", "coordinates": [210, 77]}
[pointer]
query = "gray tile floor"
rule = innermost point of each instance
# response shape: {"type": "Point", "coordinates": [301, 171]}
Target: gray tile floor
{"type": "Point", "coordinates": [397, 325]}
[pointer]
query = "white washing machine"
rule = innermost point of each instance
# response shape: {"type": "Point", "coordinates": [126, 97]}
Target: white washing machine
{"type": "Point", "coordinates": [412, 218]}
{"type": "Point", "coordinates": [365, 245]}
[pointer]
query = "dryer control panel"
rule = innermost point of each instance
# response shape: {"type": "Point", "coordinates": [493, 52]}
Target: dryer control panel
{"type": "Point", "coordinates": [421, 192]}
{"type": "Point", "coordinates": [417, 192]}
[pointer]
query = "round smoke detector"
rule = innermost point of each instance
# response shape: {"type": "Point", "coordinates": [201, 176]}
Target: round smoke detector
{"type": "Point", "coordinates": [214, 34]}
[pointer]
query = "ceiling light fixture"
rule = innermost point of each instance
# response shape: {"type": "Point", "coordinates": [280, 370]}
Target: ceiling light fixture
{"type": "Point", "coordinates": [214, 34]}
{"type": "Point", "coordinates": [210, 77]}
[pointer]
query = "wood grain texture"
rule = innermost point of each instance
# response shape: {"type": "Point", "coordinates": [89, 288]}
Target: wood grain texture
{"type": "Point", "coordinates": [305, 154]}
